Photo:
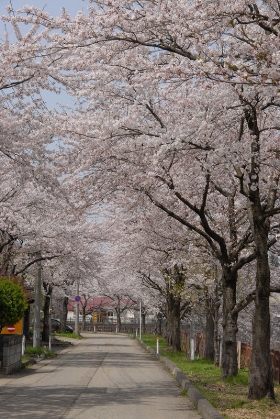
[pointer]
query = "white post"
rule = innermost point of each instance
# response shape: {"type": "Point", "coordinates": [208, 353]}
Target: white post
{"type": "Point", "coordinates": [37, 306]}
{"type": "Point", "coordinates": [157, 346]}
{"type": "Point", "coordinates": [23, 345]}
{"type": "Point", "coordinates": [192, 340]}
{"type": "Point", "coordinates": [239, 354]}
{"type": "Point", "coordinates": [77, 311]}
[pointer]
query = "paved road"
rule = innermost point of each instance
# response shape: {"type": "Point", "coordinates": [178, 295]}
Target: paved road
{"type": "Point", "coordinates": [101, 377]}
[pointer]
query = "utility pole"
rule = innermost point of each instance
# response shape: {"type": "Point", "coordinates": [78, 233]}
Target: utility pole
{"type": "Point", "coordinates": [50, 323]}
{"type": "Point", "coordinates": [77, 308]}
{"type": "Point", "coordinates": [37, 305]}
{"type": "Point", "coordinates": [140, 321]}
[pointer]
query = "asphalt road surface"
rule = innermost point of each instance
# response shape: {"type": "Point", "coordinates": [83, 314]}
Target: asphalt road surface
{"type": "Point", "coordinates": [102, 377]}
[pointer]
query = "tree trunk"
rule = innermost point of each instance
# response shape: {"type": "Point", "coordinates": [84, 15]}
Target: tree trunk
{"type": "Point", "coordinates": [260, 373]}
{"type": "Point", "coordinates": [216, 329]}
{"type": "Point", "coordinates": [83, 317]}
{"type": "Point", "coordinates": [46, 332]}
{"type": "Point", "coordinates": [173, 323]}
{"type": "Point", "coordinates": [119, 322]}
{"type": "Point", "coordinates": [230, 329]}
{"type": "Point", "coordinates": [159, 324]}
{"type": "Point", "coordinates": [64, 314]}
{"type": "Point", "coordinates": [210, 328]}
{"type": "Point", "coordinates": [143, 319]}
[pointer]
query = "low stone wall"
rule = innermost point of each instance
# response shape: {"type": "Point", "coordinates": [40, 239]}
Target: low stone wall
{"type": "Point", "coordinates": [10, 353]}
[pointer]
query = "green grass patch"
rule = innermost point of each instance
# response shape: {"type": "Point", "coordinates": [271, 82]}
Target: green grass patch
{"type": "Point", "coordinates": [229, 396]}
{"type": "Point", "coordinates": [29, 350]}
{"type": "Point", "coordinates": [68, 335]}
{"type": "Point", "coordinates": [50, 354]}
{"type": "Point", "coordinates": [151, 340]}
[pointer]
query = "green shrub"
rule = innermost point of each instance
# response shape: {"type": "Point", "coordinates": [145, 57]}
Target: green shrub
{"type": "Point", "coordinates": [12, 302]}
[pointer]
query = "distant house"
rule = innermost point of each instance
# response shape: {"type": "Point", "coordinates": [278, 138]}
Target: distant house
{"type": "Point", "coordinates": [103, 309]}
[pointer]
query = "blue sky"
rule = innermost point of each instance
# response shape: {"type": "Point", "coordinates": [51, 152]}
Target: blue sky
{"type": "Point", "coordinates": [51, 6]}
{"type": "Point", "coordinates": [54, 8]}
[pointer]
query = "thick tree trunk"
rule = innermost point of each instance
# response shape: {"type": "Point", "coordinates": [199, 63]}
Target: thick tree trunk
{"type": "Point", "coordinates": [260, 373]}
{"type": "Point", "coordinates": [210, 328]}
{"type": "Point", "coordinates": [173, 323]}
{"type": "Point", "coordinates": [229, 354]}
{"type": "Point", "coordinates": [64, 314]}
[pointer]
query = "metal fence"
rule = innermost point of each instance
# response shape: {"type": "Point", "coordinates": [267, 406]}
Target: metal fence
{"type": "Point", "coordinates": [115, 328]}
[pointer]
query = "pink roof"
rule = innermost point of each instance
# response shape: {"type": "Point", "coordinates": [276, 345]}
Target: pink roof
{"type": "Point", "coordinates": [100, 302]}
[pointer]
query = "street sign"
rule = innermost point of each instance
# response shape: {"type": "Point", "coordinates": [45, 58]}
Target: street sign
{"type": "Point", "coordinates": [11, 329]}
{"type": "Point", "coordinates": [18, 328]}
{"type": "Point", "coordinates": [77, 298]}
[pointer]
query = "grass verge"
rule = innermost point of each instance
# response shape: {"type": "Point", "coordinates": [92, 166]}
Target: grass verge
{"type": "Point", "coordinates": [68, 335]}
{"type": "Point", "coordinates": [29, 350]}
{"type": "Point", "coordinates": [228, 396]}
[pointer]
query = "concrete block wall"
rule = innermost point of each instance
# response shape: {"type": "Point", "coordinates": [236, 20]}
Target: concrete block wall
{"type": "Point", "coordinates": [10, 353]}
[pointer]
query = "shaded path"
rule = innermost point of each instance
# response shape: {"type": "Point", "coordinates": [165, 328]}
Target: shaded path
{"type": "Point", "coordinates": [102, 377]}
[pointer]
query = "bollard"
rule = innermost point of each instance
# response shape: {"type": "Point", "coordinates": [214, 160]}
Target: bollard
{"type": "Point", "coordinates": [157, 346]}
{"type": "Point", "coordinates": [23, 345]}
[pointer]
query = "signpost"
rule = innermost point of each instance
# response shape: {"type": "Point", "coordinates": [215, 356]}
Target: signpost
{"type": "Point", "coordinates": [77, 299]}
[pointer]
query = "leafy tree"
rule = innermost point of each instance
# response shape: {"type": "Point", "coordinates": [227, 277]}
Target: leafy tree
{"type": "Point", "coordinates": [12, 302]}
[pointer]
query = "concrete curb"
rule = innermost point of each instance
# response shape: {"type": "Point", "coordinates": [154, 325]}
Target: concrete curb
{"type": "Point", "coordinates": [203, 406]}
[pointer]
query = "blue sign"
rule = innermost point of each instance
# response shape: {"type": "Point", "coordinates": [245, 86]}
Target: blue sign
{"type": "Point", "coordinates": [77, 298]}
